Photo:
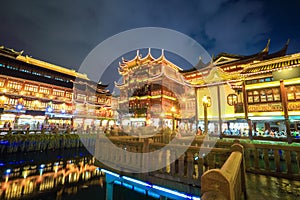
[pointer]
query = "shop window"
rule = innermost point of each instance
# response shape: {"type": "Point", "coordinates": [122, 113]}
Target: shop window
{"type": "Point", "coordinates": [256, 96]}
{"type": "Point", "coordinates": [276, 94]}
{"type": "Point", "coordinates": [232, 99]}
{"type": "Point", "coordinates": [297, 92]}
{"type": "Point", "coordinates": [291, 93]}
{"type": "Point", "coordinates": [250, 99]}
{"type": "Point", "coordinates": [270, 95]}
{"type": "Point", "coordinates": [263, 97]}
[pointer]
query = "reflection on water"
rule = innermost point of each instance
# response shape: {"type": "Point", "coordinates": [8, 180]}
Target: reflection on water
{"type": "Point", "coordinates": [58, 177]}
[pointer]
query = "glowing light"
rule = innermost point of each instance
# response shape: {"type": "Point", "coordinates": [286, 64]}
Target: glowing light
{"type": "Point", "coordinates": [136, 181]}
{"type": "Point", "coordinates": [173, 109]}
{"type": "Point", "coordinates": [49, 109]}
{"type": "Point", "coordinates": [110, 173]}
{"type": "Point", "coordinates": [2, 98]}
{"type": "Point", "coordinates": [19, 107]}
{"type": "Point", "coordinates": [8, 171]}
{"type": "Point", "coordinates": [205, 99]}
{"type": "Point", "coordinates": [174, 192]}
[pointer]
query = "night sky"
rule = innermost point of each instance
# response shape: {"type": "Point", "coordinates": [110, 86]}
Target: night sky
{"type": "Point", "coordinates": [64, 32]}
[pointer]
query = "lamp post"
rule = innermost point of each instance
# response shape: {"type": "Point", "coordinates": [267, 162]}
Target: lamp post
{"type": "Point", "coordinates": [205, 105]}
{"type": "Point", "coordinates": [173, 110]}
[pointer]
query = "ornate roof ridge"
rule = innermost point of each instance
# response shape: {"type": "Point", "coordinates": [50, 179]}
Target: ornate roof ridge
{"type": "Point", "coordinates": [238, 56]}
{"type": "Point", "coordinates": [138, 60]}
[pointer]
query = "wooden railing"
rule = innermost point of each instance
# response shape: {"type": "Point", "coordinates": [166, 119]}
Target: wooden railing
{"type": "Point", "coordinates": [274, 160]}
{"type": "Point", "coordinates": [227, 183]}
{"type": "Point", "coordinates": [189, 166]}
{"type": "Point", "coordinates": [187, 169]}
{"type": "Point", "coordinates": [279, 160]}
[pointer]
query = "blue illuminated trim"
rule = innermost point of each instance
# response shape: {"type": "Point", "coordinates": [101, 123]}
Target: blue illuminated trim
{"type": "Point", "coordinates": [117, 182]}
{"type": "Point", "coordinates": [174, 192]}
{"type": "Point", "coordinates": [139, 190]}
{"type": "Point", "coordinates": [136, 181]}
{"type": "Point", "coordinates": [196, 198]}
{"type": "Point", "coordinates": [149, 188]}
{"type": "Point", "coordinates": [110, 173]}
{"type": "Point", "coordinates": [127, 185]}
{"type": "Point", "coordinates": [153, 194]}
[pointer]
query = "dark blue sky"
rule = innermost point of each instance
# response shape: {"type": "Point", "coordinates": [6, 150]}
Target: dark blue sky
{"type": "Point", "coordinates": [64, 32]}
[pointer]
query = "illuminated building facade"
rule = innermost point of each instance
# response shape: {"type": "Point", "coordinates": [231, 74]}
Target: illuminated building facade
{"type": "Point", "coordinates": [34, 92]}
{"type": "Point", "coordinates": [153, 92]}
{"type": "Point", "coordinates": [250, 95]}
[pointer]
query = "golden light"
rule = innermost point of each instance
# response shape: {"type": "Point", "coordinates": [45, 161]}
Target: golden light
{"type": "Point", "coordinates": [3, 98]}
{"type": "Point", "coordinates": [173, 109]}
{"type": "Point", "coordinates": [4, 90]}
{"type": "Point", "coordinates": [162, 114]}
{"type": "Point", "coordinates": [36, 103]}
{"type": "Point", "coordinates": [205, 99]}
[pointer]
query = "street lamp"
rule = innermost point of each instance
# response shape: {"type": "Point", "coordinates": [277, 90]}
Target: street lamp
{"type": "Point", "coordinates": [205, 102]}
{"type": "Point", "coordinates": [173, 110]}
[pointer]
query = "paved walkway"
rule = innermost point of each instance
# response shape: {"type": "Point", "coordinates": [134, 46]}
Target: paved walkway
{"type": "Point", "coordinates": [260, 187]}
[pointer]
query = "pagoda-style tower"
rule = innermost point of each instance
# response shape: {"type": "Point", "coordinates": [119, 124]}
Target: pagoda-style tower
{"type": "Point", "coordinates": [152, 89]}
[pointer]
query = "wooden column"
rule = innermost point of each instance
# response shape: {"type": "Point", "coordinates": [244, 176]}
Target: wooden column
{"type": "Point", "coordinates": [245, 96]}
{"type": "Point", "coordinates": [219, 111]}
{"type": "Point", "coordinates": [197, 113]}
{"type": "Point", "coordinates": [285, 111]}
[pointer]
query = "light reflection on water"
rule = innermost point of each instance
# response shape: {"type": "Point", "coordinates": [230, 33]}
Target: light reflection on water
{"type": "Point", "coordinates": [56, 175]}
{"type": "Point", "coordinates": [59, 176]}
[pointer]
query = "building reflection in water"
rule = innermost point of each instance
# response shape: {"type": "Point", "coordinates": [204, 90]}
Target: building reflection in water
{"type": "Point", "coordinates": [32, 180]}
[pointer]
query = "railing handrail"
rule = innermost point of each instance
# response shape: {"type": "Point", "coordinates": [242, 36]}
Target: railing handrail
{"type": "Point", "coordinates": [229, 181]}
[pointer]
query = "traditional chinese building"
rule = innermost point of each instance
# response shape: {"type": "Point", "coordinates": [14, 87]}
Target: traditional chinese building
{"type": "Point", "coordinates": [247, 92]}
{"type": "Point", "coordinates": [153, 92]}
{"type": "Point", "coordinates": [35, 92]}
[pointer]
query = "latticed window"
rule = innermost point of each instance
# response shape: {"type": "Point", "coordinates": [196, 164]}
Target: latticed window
{"type": "Point", "coordinates": [232, 99]}
{"type": "Point", "coordinates": [264, 95]}
{"type": "Point", "coordinates": [31, 88]}
{"type": "Point", "coordinates": [58, 93]}
{"type": "Point", "coordinates": [14, 85]}
{"type": "Point", "coordinates": [44, 90]}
